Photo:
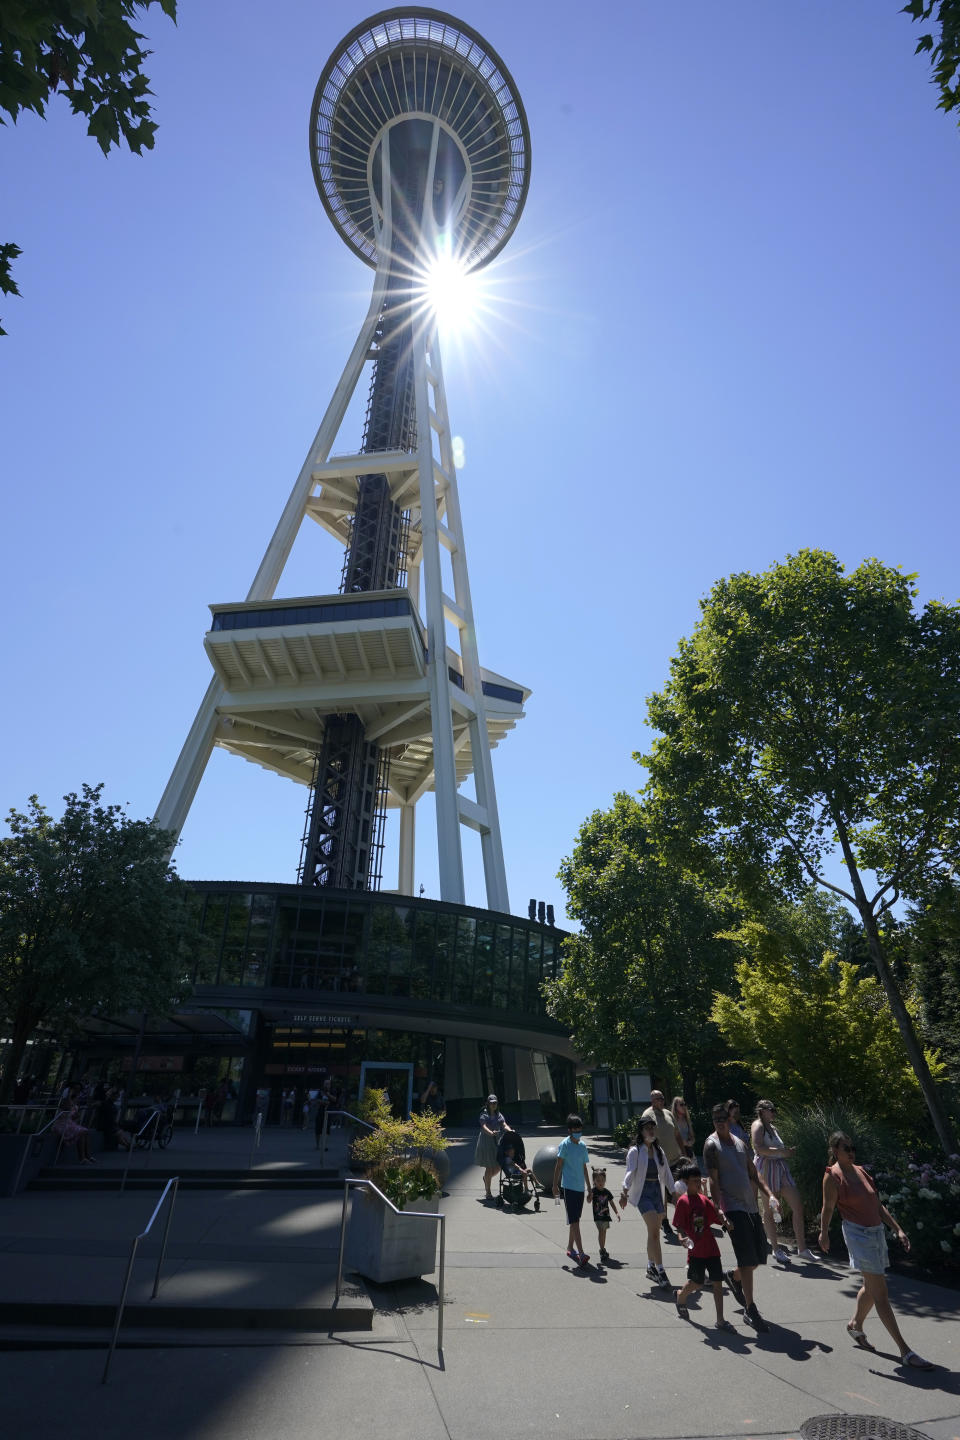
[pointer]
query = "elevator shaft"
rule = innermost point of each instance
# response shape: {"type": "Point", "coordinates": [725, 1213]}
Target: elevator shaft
{"type": "Point", "coordinates": [343, 837]}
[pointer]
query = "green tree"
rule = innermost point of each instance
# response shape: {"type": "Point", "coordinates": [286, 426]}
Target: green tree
{"type": "Point", "coordinates": [810, 1024]}
{"type": "Point", "coordinates": [636, 984]}
{"type": "Point", "coordinates": [814, 717]}
{"type": "Point", "coordinates": [943, 49]}
{"type": "Point", "coordinates": [929, 943]}
{"type": "Point", "coordinates": [89, 49]}
{"type": "Point", "coordinates": [92, 917]}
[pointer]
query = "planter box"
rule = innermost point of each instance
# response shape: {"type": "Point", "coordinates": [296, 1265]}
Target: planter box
{"type": "Point", "coordinates": [34, 1151]}
{"type": "Point", "coordinates": [383, 1246]}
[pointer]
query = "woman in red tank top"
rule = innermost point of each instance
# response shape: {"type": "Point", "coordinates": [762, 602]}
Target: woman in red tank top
{"type": "Point", "coordinates": [848, 1188]}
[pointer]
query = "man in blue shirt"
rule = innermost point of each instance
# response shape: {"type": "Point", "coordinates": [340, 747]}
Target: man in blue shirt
{"type": "Point", "coordinates": [571, 1178]}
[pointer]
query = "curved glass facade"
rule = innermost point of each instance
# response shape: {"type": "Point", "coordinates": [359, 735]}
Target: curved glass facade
{"type": "Point", "coordinates": [334, 980]}
{"type": "Point", "coordinates": [361, 943]}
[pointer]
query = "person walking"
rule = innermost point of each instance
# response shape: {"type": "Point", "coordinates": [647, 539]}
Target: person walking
{"type": "Point", "coordinates": [734, 1183]}
{"type": "Point", "coordinates": [683, 1125]}
{"type": "Point", "coordinates": [571, 1179]}
{"type": "Point", "coordinates": [648, 1176]}
{"type": "Point", "coordinates": [770, 1157]}
{"type": "Point", "coordinates": [492, 1124]}
{"type": "Point", "coordinates": [602, 1201]}
{"type": "Point", "coordinates": [694, 1214]}
{"type": "Point", "coordinates": [848, 1188]}
{"type": "Point", "coordinates": [667, 1139]}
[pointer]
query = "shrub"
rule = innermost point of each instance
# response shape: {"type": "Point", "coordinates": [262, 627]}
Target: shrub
{"type": "Point", "coordinates": [925, 1199]}
{"type": "Point", "coordinates": [396, 1153]}
{"type": "Point", "coordinates": [808, 1127]}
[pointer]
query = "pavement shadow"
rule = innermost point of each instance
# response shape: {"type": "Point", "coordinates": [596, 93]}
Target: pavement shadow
{"type": "Point", "coordinates": [940, 1380]}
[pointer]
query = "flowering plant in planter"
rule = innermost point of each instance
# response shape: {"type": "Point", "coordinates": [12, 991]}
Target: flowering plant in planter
{"type": "Point", "coordinates": [396, 1154]}
{"type": "Point", "coordinates": [926, 1201]}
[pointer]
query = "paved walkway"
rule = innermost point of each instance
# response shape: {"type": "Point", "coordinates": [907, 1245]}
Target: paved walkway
{"type": "Point", "coordinates": [532, 1347]}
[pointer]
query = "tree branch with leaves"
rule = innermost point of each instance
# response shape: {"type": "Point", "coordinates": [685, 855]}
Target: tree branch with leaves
{"type": "Point", "coordinates": [89, 51]}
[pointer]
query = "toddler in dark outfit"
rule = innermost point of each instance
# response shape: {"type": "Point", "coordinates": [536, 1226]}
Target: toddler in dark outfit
{"type": "Point", "coordinates": [602, 1200]}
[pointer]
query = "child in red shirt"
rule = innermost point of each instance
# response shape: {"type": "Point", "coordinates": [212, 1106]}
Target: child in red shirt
{"type": "Point", "coordinates": [693, 1216]}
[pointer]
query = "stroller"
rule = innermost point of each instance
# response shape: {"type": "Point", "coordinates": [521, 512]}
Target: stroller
{"type": "Point", "coordinates": [514, 1194]}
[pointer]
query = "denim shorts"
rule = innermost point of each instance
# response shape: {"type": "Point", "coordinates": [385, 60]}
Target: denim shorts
{"type": "Point", "coordinates": [866, 1246]}
{"type": "Point", "coordinates": [651, 1198]}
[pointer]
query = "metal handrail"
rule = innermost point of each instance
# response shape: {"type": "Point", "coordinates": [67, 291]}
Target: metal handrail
{"type": "Point", "coordinates": [24, 1105]}
{"type": "Point", "coordinates": [407, 1214]}
{"type": "Point", "coordinates": [35, 1135]}
{"type": "Point", "coordinates": [152, 1119]}
{"type": "Point", "coordinates": [324, 1133]}
{"type": "Point", "coordinates": [257, 1136]}
{"type": "Point", "coordinates": [172, 1192]}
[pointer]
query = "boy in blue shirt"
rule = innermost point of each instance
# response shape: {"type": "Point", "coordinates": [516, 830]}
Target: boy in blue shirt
{"type": "Point", "coordinates": [572, 1179]}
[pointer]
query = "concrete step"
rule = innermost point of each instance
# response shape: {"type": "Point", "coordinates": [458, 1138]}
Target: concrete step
{"type": "Point", "coordinates": [354, 1313]}
{"type": "Point", "coordinates": [101, 1177]}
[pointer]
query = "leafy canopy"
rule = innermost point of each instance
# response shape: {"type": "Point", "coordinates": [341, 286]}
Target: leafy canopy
{"type": "Point", "coordinates": [810, 1024]}
{"type": "Point", "coordinates": [928, 943]}
{"type": "Point", "coordinates": [90, 50]}
{"type": "Point", "coordinates": [92, 917]}
{"type": "Point", "coordinates": [944, 50]}
{"type": "Point", "coordinates": [813, 707]}
{"type": "Point", "coordinates": [814, 712]}
{"type": "Point", "coordinates": [637, 982]}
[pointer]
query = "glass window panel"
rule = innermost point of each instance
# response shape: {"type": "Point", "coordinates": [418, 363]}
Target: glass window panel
{"type": "Point", "coordinates": [423, 927]}
{"type": "Point", "coordinates": [463, 973]}
{"type": "Point", "coordinates": [231, 965]}
{"type": "Point", "coordinates": [518, 966]}
{"type": "Point", "coordinates": [533, 1001]}
{"type": "Point", "coordinates": [443, 972]}
{"type": "Point", "coordinates": [501, 966]}
{"type": "Point", "coordinates": [482, 993]}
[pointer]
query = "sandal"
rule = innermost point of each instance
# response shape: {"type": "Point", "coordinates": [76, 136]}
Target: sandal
{"type": "Point", "coordinates": [915, 1361]}
{"type": "Point", "coordinates": [859, 1338]}
{"type": "Point", "coordinates": [682, 1310]}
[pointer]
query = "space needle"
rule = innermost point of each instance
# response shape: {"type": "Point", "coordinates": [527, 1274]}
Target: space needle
{"type": "Point", "coordinates": [375, 695]}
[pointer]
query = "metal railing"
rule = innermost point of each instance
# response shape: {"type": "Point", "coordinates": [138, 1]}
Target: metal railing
{"type": "Point", "coordinates": [257, 1136]}
{"type": "Point", "coordinates": [324, 1133]}
{"type": "Point", "coordinates": [169, 1189]}
{"type": "Point", "coordinates": [35, 1135]}
{"type": "Point", "coordinates": [152, 1119]}
{"type": "Point", "coordinates": [407, 1215]}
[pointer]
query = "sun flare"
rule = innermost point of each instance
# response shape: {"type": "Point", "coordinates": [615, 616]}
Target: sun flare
{"type": "Point", "coordinates": [452, 293]}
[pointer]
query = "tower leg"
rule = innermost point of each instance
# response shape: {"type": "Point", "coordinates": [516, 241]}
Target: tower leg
{"type": "Point", "coordinates": [408, 832]}
{"type": "Point", "coordinates": [188, 772]}
{"type": "Point", "coordinates": [449, 854]}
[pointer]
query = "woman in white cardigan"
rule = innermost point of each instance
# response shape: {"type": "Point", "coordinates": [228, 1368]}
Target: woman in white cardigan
{"type": "Point", "coordinates": [648, 1175]}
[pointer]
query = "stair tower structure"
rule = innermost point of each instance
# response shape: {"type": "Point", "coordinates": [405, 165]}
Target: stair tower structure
{"type": "Point", "coordinates": [373, 696]}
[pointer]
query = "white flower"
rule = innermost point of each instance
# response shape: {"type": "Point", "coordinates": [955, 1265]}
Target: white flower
{"type": "Point", "coordinates": [956, 1228]}
{"type": "Point", "coordinates": [927, 1194]}
{"type": "Point", "coordinates": [919, 1224]}
{"type": "Point", "coordinates": [946, 1246]}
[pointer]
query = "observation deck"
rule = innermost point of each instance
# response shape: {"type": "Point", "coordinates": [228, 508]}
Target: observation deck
{"type": "Point", "coordinates": [416, 67]}
{"type": "Point", "coordinates": [285, 665]}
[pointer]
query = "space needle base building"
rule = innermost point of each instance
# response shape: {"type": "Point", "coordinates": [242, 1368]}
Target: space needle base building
{"type": "Point", "coordinates": [375, 695]}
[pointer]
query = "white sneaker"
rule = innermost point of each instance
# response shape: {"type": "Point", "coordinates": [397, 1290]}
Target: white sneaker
{"type": "Point", "coordinates": [807, 1255]}
{"type": "Point", "coordinates": [781, 1255]}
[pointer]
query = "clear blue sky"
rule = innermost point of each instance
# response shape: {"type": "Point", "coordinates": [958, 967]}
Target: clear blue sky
{"type": "Point", "coordinates": [727, 329]}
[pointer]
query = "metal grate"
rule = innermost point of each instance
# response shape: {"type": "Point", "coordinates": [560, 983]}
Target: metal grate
{"type": "Point", "coordinates": [857, 1427]}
